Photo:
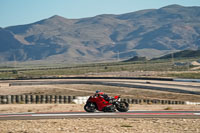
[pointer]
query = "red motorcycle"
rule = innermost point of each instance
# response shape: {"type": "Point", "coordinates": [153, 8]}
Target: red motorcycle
{"type": "Point", "coordinates": [99, 103]}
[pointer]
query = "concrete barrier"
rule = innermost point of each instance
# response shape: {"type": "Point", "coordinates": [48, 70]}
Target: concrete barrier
{"type": "Point", "coordinates": [192, 103]}
{"type": "Point", "coordinates": [4, 85]}
{"type": "Point", "coordinates": [81, 100]}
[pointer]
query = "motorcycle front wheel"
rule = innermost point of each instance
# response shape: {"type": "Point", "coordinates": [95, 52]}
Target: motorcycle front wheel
{"type": "Point", "coordinates": [90, 107]}
{"type": "Point", "coordinates": [122, 106]}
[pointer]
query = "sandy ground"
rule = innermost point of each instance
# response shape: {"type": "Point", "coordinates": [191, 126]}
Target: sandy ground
{"type": "Point", "coordinates": [86, 90]}
{"type": "Point", "coordinates": [20, 108]}
{"type": "Point", "coordinates": [111, 125]}
{"type": "Point", "coordinates": [96, 125]}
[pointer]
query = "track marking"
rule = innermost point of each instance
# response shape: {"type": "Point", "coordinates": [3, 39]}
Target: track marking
{"type": "Point", "coordinates": [58, 112]}
{"type": "Point", "coordinates": [14, 115]}
{"type": "Point", "coordinates": [18, 113]}
{"type": "Point", "coordinates": [85, 114]}
{"type": "Point", "coordinates": [75, 114]}
{"type": "Point", "coordinates": [137, 110]}
{"type": "Point", "coordinates": [156, 113]}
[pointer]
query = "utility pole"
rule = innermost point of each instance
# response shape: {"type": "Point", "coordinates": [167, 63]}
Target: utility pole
{"type": "Point", "coordinates": [14, 61]}
{"type": "Point", "coordinates": [172, 54]}
{"type": "Point", "coordinates": [118, 56]}
{"type": "Point", "coordinates": [188, 65]}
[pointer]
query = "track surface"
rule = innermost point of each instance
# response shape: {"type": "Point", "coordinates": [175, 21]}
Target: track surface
{"type": "Point", "coordinates": [129, 114]}
{"type": "Point", "coordinates": [167, 86]}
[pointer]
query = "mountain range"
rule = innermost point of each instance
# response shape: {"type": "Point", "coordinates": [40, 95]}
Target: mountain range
{"type": "Point", "coordinates": [150, 33]}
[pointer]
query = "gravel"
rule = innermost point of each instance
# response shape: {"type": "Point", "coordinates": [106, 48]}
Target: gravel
{"type": "Point", "coordinates": [94, 125]}
{"type": "Point", "coordinates": [110, 125]}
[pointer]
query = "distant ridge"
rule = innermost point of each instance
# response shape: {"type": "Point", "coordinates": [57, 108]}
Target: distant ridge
{"type": "Point", "coordinates": [147, 33]}
{"type": "Point", "coordinates": [136, 58]}
{"type": "Point", "coordinates": [182, 54]}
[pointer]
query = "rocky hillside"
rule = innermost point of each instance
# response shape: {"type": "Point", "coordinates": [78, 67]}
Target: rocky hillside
{"type": "Point", "coordinates": [149, 33]}
{"type": "Point", "coordinates": [182, 54]}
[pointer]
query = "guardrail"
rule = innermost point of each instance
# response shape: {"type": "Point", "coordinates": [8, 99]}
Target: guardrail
{"type": "Point", "coordinates": [60, 99]}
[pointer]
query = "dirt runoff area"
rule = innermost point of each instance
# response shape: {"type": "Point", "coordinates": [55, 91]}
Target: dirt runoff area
{"type": "Point", "coordinates": [96, 125]}
{"type": "Point", "coordinates": [21, 108]}
{"type": "Point", "coordinates": [102, 125]}
{"type": "Point", "coordinates": [87, 90]}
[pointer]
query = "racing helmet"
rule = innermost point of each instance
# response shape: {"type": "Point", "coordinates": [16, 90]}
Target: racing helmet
{"type": "Point", "coordinates": [98, 91]}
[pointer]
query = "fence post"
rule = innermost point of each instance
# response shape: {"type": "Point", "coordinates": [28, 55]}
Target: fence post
{"type": "Point", "coordinates": [148, 101]}
{"type": "Point", "coordinates": [61, 99]}
{"type": "Point", "coordinates": [183, 102]}
{"type": "Point", "coordinates": [159, 102]}
{"type": "Point", "coordinates": [29, 99]}
{"type": "Point", "coordinates": [23, 98]}
{"type": "Point", "coordinates": [69, 99]}
{"type": "Point", "coordinates": [140, 101]}
{"type": "Point", "coordinates": [65, 99]}
{"type": "Point", "coordinates": [43, 99]}
{"type": "Point", "coordinates": [56, 99]}
{"type": "Point", "coordinates": [13, 100]}
{"type": "Point", "coordinates": [52, 99]}
{"type": "Point", "coordinates": [4, 99]}
{"type": "Point", "coordinates": [33, 99]}
{"type": "Point", "coordinates": [37, 100]}
{"type": "Point", "coordinates": [47, 99]}
{"type": "Point", "coordinates": [9, 99]}
{"type": "Point", "coordinates": [132, 101]}
{"type": "Point", "coordinates": [20, 99]}
{"type": "Point", "coordinates": [155, 101]}
{"type": "Point", "coordinates": [0, 100]}
{"type": "Point", "coordinates": [128, 101]}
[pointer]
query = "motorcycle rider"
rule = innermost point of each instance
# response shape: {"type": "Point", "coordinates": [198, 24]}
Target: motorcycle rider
{"type": "Point", "coordinates": [103, 95]}
{"type": "Point", "coordinates": [109, 108]}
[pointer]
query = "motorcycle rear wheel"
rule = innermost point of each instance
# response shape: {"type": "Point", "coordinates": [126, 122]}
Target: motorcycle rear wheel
{"type": "Point", "coordinates": [90, 107]}
{"type": "Point", "coordinates": [122, 106]}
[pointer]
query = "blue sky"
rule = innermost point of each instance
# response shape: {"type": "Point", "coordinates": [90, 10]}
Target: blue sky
{"type": "Point", "coordinates": [16, 12]}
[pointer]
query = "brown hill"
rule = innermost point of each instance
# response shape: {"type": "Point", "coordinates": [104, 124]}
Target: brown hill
{"type": "Point", "coordinates": [149, 33]}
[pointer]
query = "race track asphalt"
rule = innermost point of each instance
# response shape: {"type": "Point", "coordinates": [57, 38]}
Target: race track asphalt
{"type": "Point", "coordinates": [170, 86]}
{"type": "Point", "coordinates": [129, 114]}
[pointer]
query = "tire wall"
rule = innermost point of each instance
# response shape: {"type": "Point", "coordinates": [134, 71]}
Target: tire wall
{"type": "Point", "coordinates": [60, 99]}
